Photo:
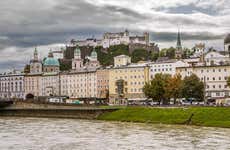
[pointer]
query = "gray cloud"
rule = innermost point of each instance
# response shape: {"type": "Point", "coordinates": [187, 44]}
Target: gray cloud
{"type": "Point", "coordinates": [25, 24]}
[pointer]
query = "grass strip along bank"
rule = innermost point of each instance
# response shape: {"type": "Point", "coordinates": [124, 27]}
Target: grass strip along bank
{"type": "Point", "coordinates": [200, 116]}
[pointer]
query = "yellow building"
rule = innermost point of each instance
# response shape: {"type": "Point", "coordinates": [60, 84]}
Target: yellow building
{"type": "Point", "coordinates": [126, 82]}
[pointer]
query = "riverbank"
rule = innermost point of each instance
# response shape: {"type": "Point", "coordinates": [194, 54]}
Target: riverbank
{"type": "Point", "coordinates": [199, 116]}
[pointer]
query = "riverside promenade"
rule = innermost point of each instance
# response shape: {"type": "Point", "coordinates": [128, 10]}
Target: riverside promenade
{"type": "Point", "coordinates": [25, 109]}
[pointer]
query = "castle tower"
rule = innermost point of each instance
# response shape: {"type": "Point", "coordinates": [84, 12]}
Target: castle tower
{"type": "Point", "coordinates": [146, 35]}
{"type": "Point", "coordinates": [77, 62]}
{"type": "Point", "coordinates": [178, 52]}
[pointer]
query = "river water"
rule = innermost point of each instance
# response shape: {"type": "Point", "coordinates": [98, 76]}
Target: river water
{"type": "Point", "coordinates": [70, 134]}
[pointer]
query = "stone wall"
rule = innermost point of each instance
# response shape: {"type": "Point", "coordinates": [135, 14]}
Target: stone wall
{"type": "Point", "coordinates": [22, 109]}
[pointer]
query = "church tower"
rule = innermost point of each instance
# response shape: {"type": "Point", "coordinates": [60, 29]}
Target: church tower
{"type": "Point", "coordinates": [178, 52]}
{"type": "Point", "coordinates": [35, 63]}
{"type": "Point", "coordinates": [93, 62]}
{"type": "Point", "coordinates": [77, 62]}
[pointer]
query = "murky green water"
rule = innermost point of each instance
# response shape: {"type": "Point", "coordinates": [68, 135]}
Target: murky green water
{"type": "Point", "coordinates": [68, 134]}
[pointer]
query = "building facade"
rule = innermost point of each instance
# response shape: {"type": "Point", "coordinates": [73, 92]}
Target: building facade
{"type": "Point", "coordinates": [214, 78]}
{"type": "Point", "coordinates": [12, 85]}
{"type": "Point", "coordinates": [79, 84]}
{"type": "Point", "coordinates": [102, 83]}
{"type": "Point", "coordinates": [126, 81]}
{"type": "Point", "coordinates": [165, 67]}
{"type": "Point", "coordinates": [121, 60]}
{"type": "Point", "coordinates": [32, 84]}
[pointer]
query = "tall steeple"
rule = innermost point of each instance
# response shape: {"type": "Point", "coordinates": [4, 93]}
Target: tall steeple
{"type": "Point", "coordinates": [35, 54]}
{"type": "Point", "coordinates": [178, 52]}
{"type": "Point", "coordinates": [178, 45]}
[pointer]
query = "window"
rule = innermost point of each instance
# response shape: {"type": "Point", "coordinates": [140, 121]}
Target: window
{"type": "Point", "coordinates": [214, 86]}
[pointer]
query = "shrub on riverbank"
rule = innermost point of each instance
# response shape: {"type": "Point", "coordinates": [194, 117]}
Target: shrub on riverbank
{"type": "Point", "coordinates": [202, 116]}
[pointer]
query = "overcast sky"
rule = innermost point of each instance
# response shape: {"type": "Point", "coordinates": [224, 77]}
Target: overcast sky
{"type": "Point", "coordinates": [47, 24]}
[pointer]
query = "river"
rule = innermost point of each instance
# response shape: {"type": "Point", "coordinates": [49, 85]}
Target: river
{"type": "Point", "coordinates": [70, 134]}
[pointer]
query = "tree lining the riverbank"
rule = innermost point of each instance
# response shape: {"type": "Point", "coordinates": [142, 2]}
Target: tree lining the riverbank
{"type": "Point", "coordinates": [200, 116]}
{"type": "Point", "coordinates": [164, 87]}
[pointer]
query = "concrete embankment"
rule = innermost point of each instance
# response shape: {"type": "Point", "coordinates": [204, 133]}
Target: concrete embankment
{"type": "Point", "coordinates": [20, 109]}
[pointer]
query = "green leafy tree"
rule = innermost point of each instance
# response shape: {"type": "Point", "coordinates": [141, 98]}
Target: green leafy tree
{"type": "Point", "coordinates": [192, 87]}
{"type": "Point", "coordinates": [154, 56]}
{"type": "Point", "coordinates": [139, 55]}
{"type": "Point", "coordinates": [168, 52]}
{"type": "Point", "coordinates": [155, 89]}
{"type": "Point", "coordinates": [173, 87]}
{"type": "Point", "coordinates": [65, 66]}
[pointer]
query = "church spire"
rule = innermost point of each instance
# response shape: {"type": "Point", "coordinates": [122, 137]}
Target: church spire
{"type": "Point", "coordinates": [178, 46]}
{"type": "Point", "coordinates": [178, 52]}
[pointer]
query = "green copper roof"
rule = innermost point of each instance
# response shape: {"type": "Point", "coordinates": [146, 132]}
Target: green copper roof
{"type": "Point", "coordinates": [50, 61]}
{"type": "Point", "coordinates": [77, 50]}
{"type": "Point", "coordinates": [94, 54]}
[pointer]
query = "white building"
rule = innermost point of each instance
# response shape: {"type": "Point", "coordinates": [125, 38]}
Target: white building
{"type": "Point", "coordinates": [87, 42]}
{"type": "Point", "coordinates": [12, 85]}
{"type": "Point", "coordinates": [199, 50]}
{"type": "Point", "coordinates": [214, 78]}
{"type": "Point", "coordinates": [121, 60]}
{"type": "Point", "coordinates": [165, 67]}
{"type": "Point", "coordinates": [32, 85]}
{"type": "Point", "coordinates": [50, 84]}
{"type": "Point", "coordinates": [79, 84]}
{"type": "Point", "coordinates": [216, 58]}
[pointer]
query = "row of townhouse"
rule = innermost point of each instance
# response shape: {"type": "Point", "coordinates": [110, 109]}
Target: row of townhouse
{"type": "Point", "coordinates": [121, 83]}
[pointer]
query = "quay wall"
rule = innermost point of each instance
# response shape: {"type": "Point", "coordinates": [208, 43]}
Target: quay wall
{"type": "Point", "coordinates": [21, 109]}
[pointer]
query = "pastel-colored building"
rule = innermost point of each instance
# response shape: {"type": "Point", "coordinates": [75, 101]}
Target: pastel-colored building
{"type": "Point", "coordinates": [214, 78]}
{"type": "Point", "coordinates": [126, 82]}
{"type": "Point", "coordinates": [79, 84]}
{"type": "Point", "coordinates": [102, 83]}
{"type": "Point", "coordinates": [165, 67]}
{"type": "Point", "coordinates": [32, 84]}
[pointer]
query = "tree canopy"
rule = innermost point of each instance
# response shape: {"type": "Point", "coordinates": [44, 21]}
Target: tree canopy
{"type": "Point", "coordinates": [193, 88]}
{"type": "Point", "coordinates": [163, 87]}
